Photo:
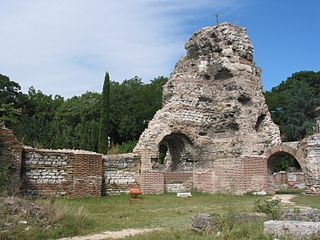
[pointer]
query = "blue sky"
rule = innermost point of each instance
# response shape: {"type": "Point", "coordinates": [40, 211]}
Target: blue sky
{"type": "Point", "coordinates": [64, 47]}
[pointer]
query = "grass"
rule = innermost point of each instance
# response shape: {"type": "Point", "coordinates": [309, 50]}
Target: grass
{"type": "Point", "coordinates": [310, 201]}
{"type": "Point", "coordinates": [153, 211]}
{"type": "Point", "coordinates": [231, 231]}
{"type": "Point", "coordinates": [93, 215]}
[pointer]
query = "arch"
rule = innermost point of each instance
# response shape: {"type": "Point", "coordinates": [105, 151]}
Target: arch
{"type": "Point", "coordinates": [176, 152]}
{"type": "Point", "coordinates": [284, 148]}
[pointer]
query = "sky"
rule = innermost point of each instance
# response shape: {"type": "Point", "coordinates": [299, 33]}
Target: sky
{"type": "Point", "coordinates": [65, 46]}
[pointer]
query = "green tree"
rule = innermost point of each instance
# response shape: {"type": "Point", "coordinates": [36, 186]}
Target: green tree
{"type": "Point", "coordinates": [8, 114]}
{"type": "Point", "coordinates": [104, 116]}
{"type": "Point", "coordinates": [292, 104]}
{"type": "Point", "coordinates": [9, 101]}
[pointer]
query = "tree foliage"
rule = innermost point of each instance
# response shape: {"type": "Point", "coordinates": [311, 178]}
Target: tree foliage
{"type": "Point", "coordinates": [54, 122]}
{"type": "Point", "coordinates": [104, 116]}
{"type": "Point", "coordinates": [293, 104]}
{"type": "Point", "coordinates": [9, 101]}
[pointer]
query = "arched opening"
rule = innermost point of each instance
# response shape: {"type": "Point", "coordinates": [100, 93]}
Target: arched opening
{"type": "Point", "coordinates": [285, 171]}
{"type": "Point", "coordinates": [176, 153]}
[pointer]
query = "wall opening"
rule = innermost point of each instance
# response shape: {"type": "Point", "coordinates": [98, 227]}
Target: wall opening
{"type": "Point", "coordinates": [176, 153]}
{"type": "Point", "coordinates": [285, 171]}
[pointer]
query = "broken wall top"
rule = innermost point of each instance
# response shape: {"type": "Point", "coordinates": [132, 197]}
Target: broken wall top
{"type": "Point", "coordinates": [214, 98]}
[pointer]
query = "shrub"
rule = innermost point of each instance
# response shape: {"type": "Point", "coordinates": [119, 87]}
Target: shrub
{"type": "Point", "coordinates": [5, 180]}
{"type": "Point", "coordinates": [126, 147]}
{"type": "Point", "coordinates": [270, 207]}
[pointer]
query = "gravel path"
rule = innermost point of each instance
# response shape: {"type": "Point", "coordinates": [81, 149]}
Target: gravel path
{"type": "Point", "coordinates": [112, 234]}
{"type": "Point", "coordinates": [286, 199]}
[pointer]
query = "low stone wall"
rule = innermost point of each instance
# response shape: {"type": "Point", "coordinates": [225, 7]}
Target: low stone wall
{"type": "Point", "coordinates": [61, 173]}
{"type": "Point", "coordinates": [238, 176]}
{"type": "Point", "coordinates": [284, 180]}
{"type": "Point", "coordinates": [121, 172]}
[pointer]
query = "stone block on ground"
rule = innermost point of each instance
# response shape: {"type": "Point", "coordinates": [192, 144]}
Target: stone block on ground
{"type": "Point", "coordinates": [203, 222]}
{"type": "Point", "coordinates": [184, 195]}
{"type": "Point", "coordinates": [307, 215]}
{"type": "Point", "coordinates": [295, 229]}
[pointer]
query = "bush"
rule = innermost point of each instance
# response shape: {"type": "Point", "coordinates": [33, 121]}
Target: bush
{"type": "Point", "coordinates": [126, 147]}
{"type": "Point", "coordinates": [5, 178]}
{"type": "Point", "coordinates": [270, 207]}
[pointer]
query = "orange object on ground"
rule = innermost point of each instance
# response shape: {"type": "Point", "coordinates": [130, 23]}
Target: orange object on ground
{"type": "Point", "coordinates": [134, 193]}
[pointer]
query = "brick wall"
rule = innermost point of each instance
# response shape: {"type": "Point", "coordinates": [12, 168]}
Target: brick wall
{"type": "Point", "coordinates": [87, 175]}
{"type": "Point", "coordinates": [255, 175]}
{"type": "Point", "coordinates": [178, 181]}
{"type": "Point", "coordinates": [61, 173]}
{"type": "Point", "coordinates": [204, 181]}
{"type": "Point", "coordinates": [121, 172]}
{"type": "Point", "coordinates": [11, 155]}
{"type": "Point", "coordinates": [234, 176]}
{"type": "Point", "coordinates": [152, 182]}
{"type": "Point", "coordinates": [227, 176]}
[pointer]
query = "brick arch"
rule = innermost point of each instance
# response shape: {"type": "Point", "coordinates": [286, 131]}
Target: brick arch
{"type": "Point", "coordinates": [187, 133]}
{"type": "Point", "coordinates": [179, 145]}
{"type": "Point", "coordinates": [284, 148]}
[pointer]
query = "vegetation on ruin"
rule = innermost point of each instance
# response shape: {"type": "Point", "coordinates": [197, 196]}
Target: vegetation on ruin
{"type": "Point", "coordinates": [5, 178]}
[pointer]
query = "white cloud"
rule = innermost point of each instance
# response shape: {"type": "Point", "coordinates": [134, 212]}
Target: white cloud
{"type": "Point", "coordinates": [64, 47]}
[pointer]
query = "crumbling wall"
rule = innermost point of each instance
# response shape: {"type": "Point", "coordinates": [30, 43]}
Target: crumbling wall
{"type": "Point", "coordinates": [121, 172]}
{"type": "Point", "coordinates": [10, 158]}
{"type": "Point", "coordinates": [61, 172]}
{"type": "Point", "coordinates": [213, 99]}
{"type": "Point", "coordinates": [311, 149]}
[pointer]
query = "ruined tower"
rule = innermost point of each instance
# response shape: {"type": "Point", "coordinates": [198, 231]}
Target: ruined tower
{"type": "Point", "coordinates": [214, 120]}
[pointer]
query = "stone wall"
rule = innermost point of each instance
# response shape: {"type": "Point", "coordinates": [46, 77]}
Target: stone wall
{"type": "Point", "coordinates": [11, 157]}
{"type": "Point", "coordinates": [214, 115]}
{"type": "Point", "coordinates": [311, 148]}
{"type": "Point", "coordinates": [121, 172]}
{"type": "Point", "coordinates": [61, 173]}
{"type": "Point", "coordinates": [284, 180]}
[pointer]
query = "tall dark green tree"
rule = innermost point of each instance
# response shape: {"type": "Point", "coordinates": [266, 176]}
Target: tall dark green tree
{"type": "Point", "coordinates": [9, 101]}
{"type": "Point", "coordinates": [292, 104]}
{"type": "Point", "coordinates": [104, 116]}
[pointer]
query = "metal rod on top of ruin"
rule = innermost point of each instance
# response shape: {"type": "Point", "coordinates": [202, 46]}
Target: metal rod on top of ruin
{"type": "Point", "coordinates": [217, 18]}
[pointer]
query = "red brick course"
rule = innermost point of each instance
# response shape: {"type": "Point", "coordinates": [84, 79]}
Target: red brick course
{"type": "Point", "coordinates": [152, 182]}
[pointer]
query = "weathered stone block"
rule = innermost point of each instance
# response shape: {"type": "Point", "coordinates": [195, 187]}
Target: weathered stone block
{"type": "Point", "coordinates": [295, 229]}
{"type": "Point", "coordinates": [203, 222]}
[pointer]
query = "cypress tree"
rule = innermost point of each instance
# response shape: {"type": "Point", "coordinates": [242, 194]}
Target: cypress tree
{"type": "Point", "coordinates": [104, 116]}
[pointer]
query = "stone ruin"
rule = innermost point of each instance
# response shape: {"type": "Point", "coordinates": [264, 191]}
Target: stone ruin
{"type": "Point", "coordinates": [213, 134]}
{"type": "Point", "coordinates": [214, 118]}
